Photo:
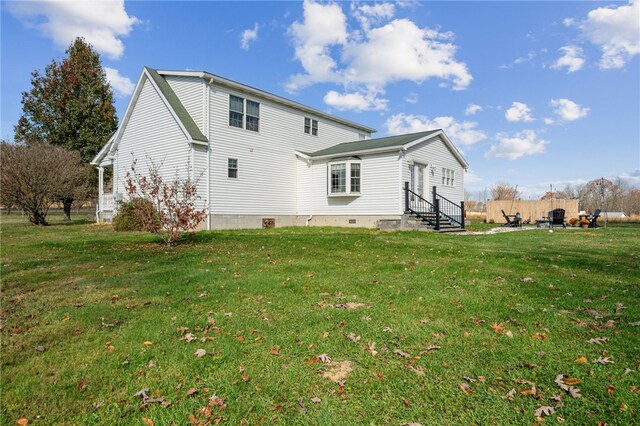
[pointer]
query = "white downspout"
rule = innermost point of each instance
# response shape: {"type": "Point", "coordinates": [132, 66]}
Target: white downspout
{"type": "Point", "coordinates": [306, 222]}
{"type": "Point", "coordinates": [100, 192]}
{"type": "Point", "coordinates": [207, 105]}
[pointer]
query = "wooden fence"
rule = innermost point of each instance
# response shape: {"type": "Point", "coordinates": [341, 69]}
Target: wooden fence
{"type": "Point", "coordinates": [529, 209]}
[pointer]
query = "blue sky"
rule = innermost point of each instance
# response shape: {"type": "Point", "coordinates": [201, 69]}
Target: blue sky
{"type": "Point", "coordinates": [533, 93]}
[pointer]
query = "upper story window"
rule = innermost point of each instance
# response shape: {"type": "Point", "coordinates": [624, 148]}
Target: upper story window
{"type": "Point", "coordinates": [237, 116]}
{"type": "Point", "coordinates": [448, 176]}
{"type": "Point", "coordinates": [345, 177]}
{"type": "Point", "coordinates": [311, 126]}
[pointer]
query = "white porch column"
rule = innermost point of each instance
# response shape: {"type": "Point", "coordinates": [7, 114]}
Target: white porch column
{"type": "Point", "coordinates": [100, 186]}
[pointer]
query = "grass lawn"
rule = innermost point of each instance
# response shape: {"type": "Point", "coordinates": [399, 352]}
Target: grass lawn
{"type": "Point", "coordinates": [319, 326]}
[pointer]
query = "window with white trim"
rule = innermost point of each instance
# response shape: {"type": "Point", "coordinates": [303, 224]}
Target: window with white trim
{"type": "Point", "coordinates": [232, 168]}
{"type": "Point", "coordinates": [237, 116]}
{"type": "Point", "coordinates": [345, 177]}
{"type": "Point", "coordinates": [448, 176]}
{"type": "Point", "coordinates": [311, 126]}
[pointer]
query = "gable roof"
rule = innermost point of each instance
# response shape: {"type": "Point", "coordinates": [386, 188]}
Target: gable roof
{"type": "Point", "coordinates": [179, 109]}
{"type": "Point", "coordinates": [386, 144]}
{"type": "Point", "coordinates": [192, 133]}
{"type": "Point", "coordinates": [252, 91]}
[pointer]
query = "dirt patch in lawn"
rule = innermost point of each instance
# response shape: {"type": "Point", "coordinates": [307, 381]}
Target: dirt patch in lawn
{"type": "Point", "coordinates": [351, 305]}
{"type": "Point", "coordinates": [337, 371]}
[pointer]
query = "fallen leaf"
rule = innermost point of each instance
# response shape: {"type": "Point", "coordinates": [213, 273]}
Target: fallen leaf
{"type": "Point", "coordinates": [603, 360]}
{"type": "Point", "coordinates": [635, 324]}
{"type": "Point", "coordinates": [610, 389]}
{"type": "Point", "coordinates": [531, 391]}
{"type": "Point", "coordinates": [324, 358]}
{"type": "Point", "coordinates": [200, 353]}
{"type": "Point", "coordinates": [147, 343]}
{"type": "Point", "coordinates": [191, 391]}
{"type": "Point", "coordinates": [352, 336]}
{"type": "Point", "coordinates": [40, 348]}
{"type": "Point", "coordinates": [401, 353]}
{"type": "Point", "coordinates": [142, 393]}
{"type": "Point", "coordinates": [574, 392]}
{"type": "Point", "coordinates": [539, 336]}
{"type": "Point", "coordinates": [510, 395]}
{"type": "Point", "coordinates": [147, 422]}
{"type": "Point", "coordinates": [275, 351]}
{"type": "Point", "coordinates": [572, 380]}
{"type": "Point", "coordinates": [509, 334]}
{"type": "Point", "coordinates": [465, 388]}
{"type": "Point", "coordinates": [316, 400]}
{"type": "Point", "coordinates": [22, 421]}
{"type": "Point", "coordinates": [301, 405]}
{"type": "Point", "coordinates": [498, 328]}
{"type": "Point", "coordinates": [544, 410]}
{"type": "Point", "coordinates": [597, 340]}
{"type": "Point", "coordinates": [582, 360]}
{"type": "Point", "coordinates": [371, 348]}
{"type": "Point", "coordinates": [325, 334]}
{"type": "Point", "coordinates": [189, 337]}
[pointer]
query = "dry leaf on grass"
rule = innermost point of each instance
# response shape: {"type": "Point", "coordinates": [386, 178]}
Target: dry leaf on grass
{"type": "Point", "coordinates": [301, 406]}
{"type": "Point", "coordinates": [324, 358]}
{"type": "Point", "coordinates": [498, 328]}
{"type": "Point", "coordinates": [147, 421]}
{"type": "Point", "coordinates": [200, 353]}
{"type": "Point", "coordinates": [191, 391]}
{"type": "Point", "coordinates": [603, 360]}
{"type": "Point", "coordinates": [352, 336]}
{"type": "Point", "coordinates": [510, 395]}
{"type": "Point", "coordinates": [371, 348]}
{"type": "Point", "coordinates": [188, 337]}
{"type": "Point", "coordinates": [598, 340]}
{"type": "Point", "coordinates": [581, 360]}
{"type": "Point", "coordinates": [545, 410]}
{"type": "Point", "coordinates": [401, 353]}
{"type": "Point", "coordinates": [147, 343]}
{"type": "Point", "coordinates": [465, 388]}
{"type": "Point", "coordinates": [316, 400]}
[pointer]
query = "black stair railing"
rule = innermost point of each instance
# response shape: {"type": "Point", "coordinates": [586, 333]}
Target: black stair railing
{"type": "Point", "coordinates": [447, 208]}
{"type": "Point", "coordinates": [433, 213]}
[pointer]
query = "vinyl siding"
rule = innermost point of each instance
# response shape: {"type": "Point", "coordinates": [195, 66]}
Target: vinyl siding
{"type": "Point", "coordinates": [304, 186]}
{"type": "Point", "coordinates": [267, 166]}
{"type": "Point", "coordinates": [199, 160]}
{"type": "Point", "coordinates": [152, 135]}
{"type": "Point", "coordinates": [190, 92]}
{"type": "Point", "coordinates": [379, 195]}
{"type": "Point", "coordinates": [434, 152]}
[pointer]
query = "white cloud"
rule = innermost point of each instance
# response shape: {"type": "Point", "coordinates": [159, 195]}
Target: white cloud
{"type": "Point", "coordinates": [518, 112]}
{"type": "Point", "coordinates": [248, 36]}
{"type": "Point", "coordinates": [568, 110]}
{"type": "Point", "coordinates": [411, 98]}
{"type": "Point", "coordinates": [548, 121]}
{"type": "Point", "coordinates": [460, 133]}
{"type": "Point", "coordinates": [520, 60]}
{"type": "Point", "coordinates": [567, 22]}
{"type": "Point", "coordinates": [472, 109]}
{"type": "Point", "coordinates": [368, 14]}
{"type": "Point", "coordinates": [616, 30]}
{"type": "Point", "coordinates": [101, 23]}
{"type": "Point", "coordinates": [572, 59]}
{"type": "Point", "coordinates": [366, 59]}
{"type": "Point", "coordinates": [518, 145]}
{"type": "Point", "coordinates": [122, 85]}
{"type": "Point", "coordinates": [355, 101]}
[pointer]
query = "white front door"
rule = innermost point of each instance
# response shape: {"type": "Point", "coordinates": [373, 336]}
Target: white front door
{"type": "Point", "coordinates": [418, 178]}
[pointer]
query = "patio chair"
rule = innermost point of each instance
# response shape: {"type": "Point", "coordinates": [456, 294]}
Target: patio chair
{"type": "Point", "coordinates": [513, 220]}
{"type": "Point", "coordinates": [593, 219]}
{"type": "Point", "coordinates": [556, 218]}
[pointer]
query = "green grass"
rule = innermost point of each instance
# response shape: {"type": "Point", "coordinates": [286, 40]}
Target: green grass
{"type": "Point", "coordinates": [265, 303]}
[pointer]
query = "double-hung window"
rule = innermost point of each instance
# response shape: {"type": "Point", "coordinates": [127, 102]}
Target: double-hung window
{"type": "Point", "coordinates": [311, 126]}
{"type": "Point", "coordinates": [237, 116]}
{"type": "Point", "coordinates": [448, 176]}
{"type": "Point", "coordinates": [345, 177]}
{"type": "Point", "coordinates": [232, 168]}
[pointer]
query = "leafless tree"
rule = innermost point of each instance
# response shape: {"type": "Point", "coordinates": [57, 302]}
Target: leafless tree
{"type": "Point", "coordinates": [35, 176]}
{"type": "Point", "coordinates": [504, 191]}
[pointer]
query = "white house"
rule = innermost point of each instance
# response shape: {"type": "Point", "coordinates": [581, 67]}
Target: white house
{"type": "Point", "coordinates": [263, 160]}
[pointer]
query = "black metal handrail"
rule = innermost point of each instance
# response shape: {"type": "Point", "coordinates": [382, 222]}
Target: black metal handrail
{"type": "Point", "coordinates": [433, 212]}
{"type": "Point", "coordinates": [421, 208]}
{"type": "Point", "coordinates": [452, 211]}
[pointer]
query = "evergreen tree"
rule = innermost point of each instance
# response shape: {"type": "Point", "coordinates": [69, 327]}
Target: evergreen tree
{"type": "Point", "coordinates": [70, 106]}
